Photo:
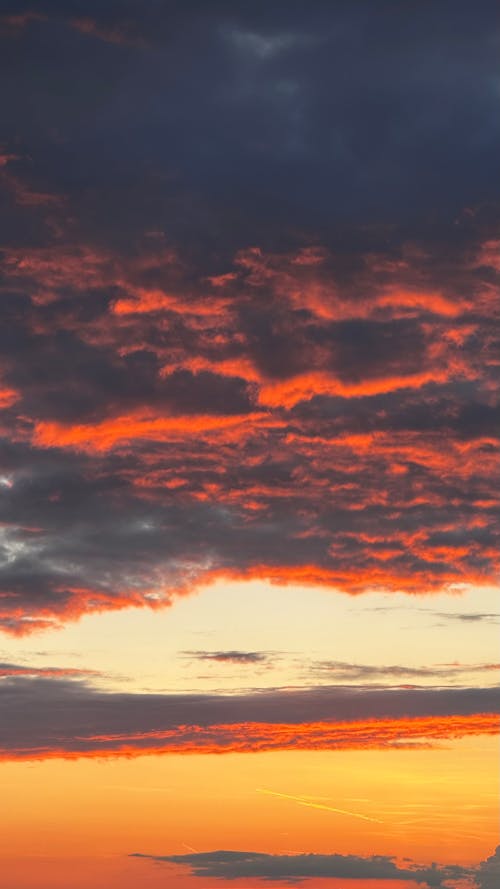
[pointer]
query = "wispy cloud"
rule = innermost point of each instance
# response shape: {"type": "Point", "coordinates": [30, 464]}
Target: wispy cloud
{"type": "Point", "coordinates": [465, 616]}
{"type": "Point", "coordinates": [229, 657]}
{"type": "Point", "coordinates": [342, 671]}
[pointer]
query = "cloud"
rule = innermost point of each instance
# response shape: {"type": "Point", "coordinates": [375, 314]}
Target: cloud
{"type": "Point", "coordinates": [198, 438]}
{"type": "Point", "coordinates": [489, 871]}
{"type": "Point", "coordinates": [233, 865]}
{"type": "Point", "coordinates": [465, 616]}
{"type": "Point", "coordinates": [468, 617]}
{"type": "Point", "coordinates": [231, 657]}
{"type": "Point", "coordinates": [342, 671]}
{"type": "Point", "coordinates": [285, 93]}
{"type": "Point", "coordinates": [7, 669]}
{"type": "Point", "coordinates": [67, 717]}
{"type": "Point", "coordinates": [272, 358]}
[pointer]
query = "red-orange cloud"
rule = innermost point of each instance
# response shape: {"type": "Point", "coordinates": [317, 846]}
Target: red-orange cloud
{"type": "Point", "coordinates": [289, 417]}
{"type": "Point", "coordinates": [247, 737]}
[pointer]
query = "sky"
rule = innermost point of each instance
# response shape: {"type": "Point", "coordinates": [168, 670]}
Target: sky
{"type": "Point", "coordinates": [249, 293]}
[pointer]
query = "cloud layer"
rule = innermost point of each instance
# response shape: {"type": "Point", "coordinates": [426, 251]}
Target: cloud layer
{"type": "Point", "coordinates": [67, 717]}
{"type": "Point", "coordinates": [253, 333]}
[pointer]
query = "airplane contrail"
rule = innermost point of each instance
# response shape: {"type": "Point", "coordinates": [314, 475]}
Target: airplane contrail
{"type": "Point", "coordinates": [303, 802]}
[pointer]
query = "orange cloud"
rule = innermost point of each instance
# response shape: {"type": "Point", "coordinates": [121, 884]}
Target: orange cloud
{"type": "Point", "coordinates": [248, 737]}
{"type": "Point", "coordinates": [306, 386]}
{"type": "Point", "coordinates": [8, 397]}
{"type": "Point", "coordinates": [103, 436]}
{"type": "Point", "coordinates": [306, 423]}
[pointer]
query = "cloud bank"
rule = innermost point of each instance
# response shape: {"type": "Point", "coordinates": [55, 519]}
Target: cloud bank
{"type": "Point", "coordinates": [67, 717]}
{"type": "Point", "coordinates": [233, 865]}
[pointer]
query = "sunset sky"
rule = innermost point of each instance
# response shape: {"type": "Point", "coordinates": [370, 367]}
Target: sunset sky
{"type": "Point", "coordinates": [250, 286]}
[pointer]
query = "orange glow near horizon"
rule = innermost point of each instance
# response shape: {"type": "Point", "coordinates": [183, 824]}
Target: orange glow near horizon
{"type": "Point", "coordinates": [286, 803]}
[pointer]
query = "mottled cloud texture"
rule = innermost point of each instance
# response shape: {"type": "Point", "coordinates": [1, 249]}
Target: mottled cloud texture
{"type": "Point", "coordinates": [249, 305]}
{"type": "Point", "coordinates": [48, 715]}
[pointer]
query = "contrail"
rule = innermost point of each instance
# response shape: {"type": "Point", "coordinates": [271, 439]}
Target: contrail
{"type": "Point", "coordinates": [303, 802]}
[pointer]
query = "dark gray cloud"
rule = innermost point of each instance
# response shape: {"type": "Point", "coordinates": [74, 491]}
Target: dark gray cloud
{"type": "Point", "coordinates": [233, 865]}
{"type": "Point", "coordinates": [65, 716]}
{"type": "Point", "coordinates": [304, 118]}
{"type": "Point", "coordinates": [137, 527]}
{"type": "Point", "coordinates": [489, 871]}
{"type": "Point", "coordinates": [250, 276]}
{"type": "Point", "coordinates": [230, 657]}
